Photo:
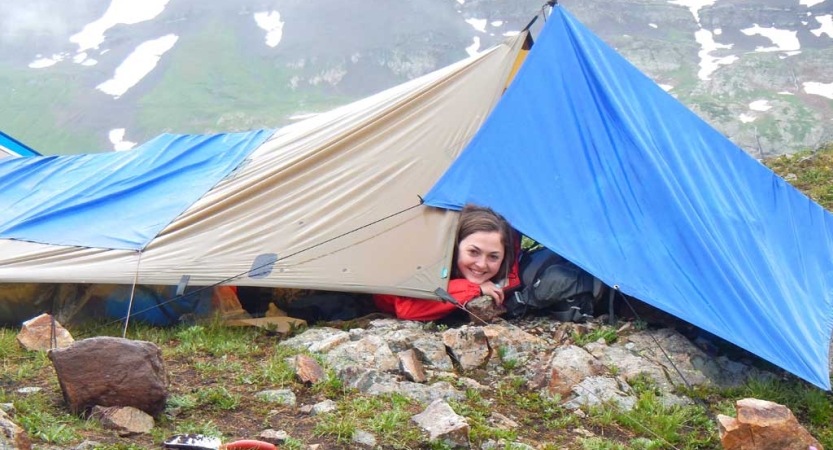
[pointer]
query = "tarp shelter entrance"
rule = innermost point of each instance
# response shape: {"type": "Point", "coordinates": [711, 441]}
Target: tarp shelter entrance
{"type": "Point", "coordinates": [616, 175]}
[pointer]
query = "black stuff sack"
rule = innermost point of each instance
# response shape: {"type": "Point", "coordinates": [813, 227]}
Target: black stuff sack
{"type": "Point", "coordinates": [555, 286]}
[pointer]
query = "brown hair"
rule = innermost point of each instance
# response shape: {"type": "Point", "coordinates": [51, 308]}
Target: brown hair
{"type": "Point", "coordinates": [475, 218]}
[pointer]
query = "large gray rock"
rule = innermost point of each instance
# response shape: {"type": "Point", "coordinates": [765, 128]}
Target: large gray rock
{"type": "Point", "coordinates": [109, 371]}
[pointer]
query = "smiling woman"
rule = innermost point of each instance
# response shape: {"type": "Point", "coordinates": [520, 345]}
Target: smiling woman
{"type": "Point", "coordinates": [485, 263]}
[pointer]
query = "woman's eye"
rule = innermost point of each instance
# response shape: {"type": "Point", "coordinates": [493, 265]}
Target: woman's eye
{"type": "Point", "coordinates": [494, 257]}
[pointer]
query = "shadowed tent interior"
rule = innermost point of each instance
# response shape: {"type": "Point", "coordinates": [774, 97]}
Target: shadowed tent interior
{"type": "Point", "coordinates": [601, 165]}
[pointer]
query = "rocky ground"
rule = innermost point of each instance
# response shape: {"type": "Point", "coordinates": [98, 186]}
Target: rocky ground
{"type": "Point", "coordinates": [531, 383]}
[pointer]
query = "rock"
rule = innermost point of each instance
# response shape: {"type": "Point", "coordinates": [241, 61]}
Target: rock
{"type": "Point", "coordinates": [763, 425]}
{"type": "Point", "coordinates": [108, 371]}
{"type": "Point", "coordinates": [411, 366]}
{"type": "Point", "coordinates": [511, 343]}
{"type": "Point", "coordinates": [37, 334]}
{"type": "Point", "coordinates": [8, 408]}
{"type": "Point", "coordinates": [468, 346]}
{"type": "Point", "coordinates": [323, 407]}
{"type": "Point", "coordinates": [444, 425]}
{"type": "Point", "coordinates": [318, 340]}
{"type": "Point", "coordinates": [370, 351]}
{"type": "Point", "coordinates": [280, 396]}
{"type": "Point", "coordinates": [569, 366]}
{"type": "Point", "coordinates": [432, 352]}
{"type": "Point", "coordinates": [274, 437]}
{"type": "Point", "coordinates": [502, 422]}
{"type": "Point", "coordinates": [29, 390]}
{"type": "Point", "coordinates": [12, 436]}
{"type": "Point", "coordinates": [698, 368]}
{"type": "Point", "coordinates": [503, 444]}
{"type": "Point", "coordinates": [308, 370]}
{"type": "Point", "coordinates": [420, 392]}
{"type": "Point", "coordinates": [484, 309]}
{"type": "Point", "coordinates": [364, 438]}
{"type": "Point", "coordinates": [125, 420]}
{"type": "Point", "coordinates": [629, 364]}
{"type": "Point", "coordinates": [594, 391]}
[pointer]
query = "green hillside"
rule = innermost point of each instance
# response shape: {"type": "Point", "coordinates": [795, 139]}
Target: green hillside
{"type": "Point", "coordinates": [810, 171]}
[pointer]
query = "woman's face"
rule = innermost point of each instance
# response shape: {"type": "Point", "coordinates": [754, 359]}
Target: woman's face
{"type": "Point", "coordinates": [479, 256]}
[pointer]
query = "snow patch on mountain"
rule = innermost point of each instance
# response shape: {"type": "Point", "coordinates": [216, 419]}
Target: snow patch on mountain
{"type": "Point", "coordinates": [137, 65]}
{"type": "Point", "coordinates": [784, 40]}
{"type": "Point", "coordinates": [272, 23]}
{"type": "Point", "coordinates": [810, 3]}
{"type": "Point", "coordinates": [126, 12]}
{"type": "Point", "coordinates": [760, 105]}
{"type": "Point", "coordinates": [43, 62]}
{"type": "Point", "coordinates": [474, 47]}
{"type": "Point", "coordinates": [816, 88]}
{"type": "Point", "coordinates": [746, 118]}
{"type": "Point", "coordinates": [826, 27]}
{"type": "Point", "coordinates": [709, 63]}
{"type": "Point", "coordinates": [477, 24]}
{"type": "Point", "coordinates": [117, 139]}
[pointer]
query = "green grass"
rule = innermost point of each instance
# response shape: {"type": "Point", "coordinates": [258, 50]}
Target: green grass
{"type": "Point", "coordinates": [811, 172]}
{"type": "Point", "coordinates": [45, 100]}
{"type": "Point", "coordinates": [605, 332]}
{"type": "Point", "coordinates": [42, 420]}
{"type": "Point", "coordinates": [387, 416]}
{"type": "Point", "coordinates": [197, 93]}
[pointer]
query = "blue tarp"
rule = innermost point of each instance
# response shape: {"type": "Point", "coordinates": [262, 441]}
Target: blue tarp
{"type": "Point", "coordinates": [588, 156]}
{"type": "Point", "coordinates": [69, 200]}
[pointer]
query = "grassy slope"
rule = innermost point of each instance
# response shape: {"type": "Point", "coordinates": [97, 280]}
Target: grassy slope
{"type": "Point", "coordinates": [229, 91]}
{"type": "Point", "coordinates": [43, 100]}
{"type": "Point", "coordinates": [811, 172]}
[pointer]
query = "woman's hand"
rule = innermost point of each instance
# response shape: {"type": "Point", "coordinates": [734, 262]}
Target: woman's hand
{"type": "Point", "coordinates": [492, 290]}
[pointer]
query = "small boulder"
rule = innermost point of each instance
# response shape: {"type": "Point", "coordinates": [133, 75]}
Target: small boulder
{"type": "Point", "coordinates": [763, 425]}
{"type": "Point", "coordinates": [411, 366]}
{"type": "Point", "coordinates": [444, 425]}
{"type": "Point", "coordinates": [109, 371]}
{"type": "Point", "coordinates": [468, 345]}
{"type": "Point", "coordinates": [276, 437]}
{"type": "Point", "coordinates": [277, 396]}
{"type": "Point", "coordinates": [125, 421]}
{"type": "Point", "coordinates": [37, 334]}
{"type": "Point", "coordinates": [308, 370]}
{"type": "Point", "coordinates": [484, 309]}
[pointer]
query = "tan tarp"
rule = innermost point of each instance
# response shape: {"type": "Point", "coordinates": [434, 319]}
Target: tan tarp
{"type": "Point", "coordinates": [335, 197]}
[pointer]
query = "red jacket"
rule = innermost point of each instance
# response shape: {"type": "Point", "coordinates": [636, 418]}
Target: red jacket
{"type": "Point", "coordinates": [425, 309]}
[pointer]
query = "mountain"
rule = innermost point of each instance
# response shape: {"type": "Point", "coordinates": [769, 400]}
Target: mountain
{"type": "Point", "coordinates": [101, 75]}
